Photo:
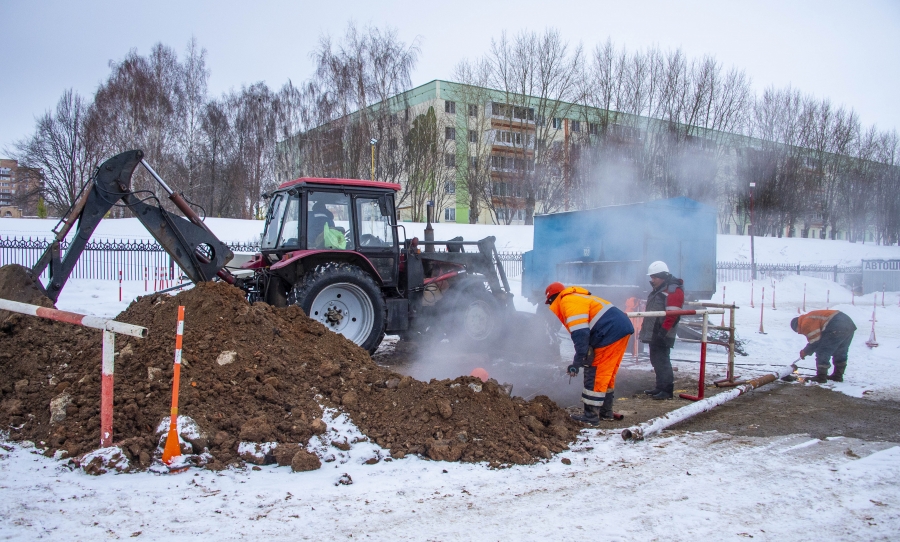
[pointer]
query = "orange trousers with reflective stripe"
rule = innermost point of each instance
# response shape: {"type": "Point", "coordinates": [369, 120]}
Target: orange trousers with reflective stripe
{"type": "Point", "coordinates": [606, 360]}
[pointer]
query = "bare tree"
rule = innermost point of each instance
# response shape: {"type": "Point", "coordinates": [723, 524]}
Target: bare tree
{"type": "Point", "coordinates": [62, 150]}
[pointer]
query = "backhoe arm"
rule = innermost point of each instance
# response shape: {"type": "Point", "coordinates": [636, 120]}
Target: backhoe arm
{"type": "Point", "coordinates": [188, 241]}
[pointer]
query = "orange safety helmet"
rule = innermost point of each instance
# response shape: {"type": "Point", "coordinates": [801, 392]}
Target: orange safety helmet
{"type": "Point", "coordinates": [553, 289]}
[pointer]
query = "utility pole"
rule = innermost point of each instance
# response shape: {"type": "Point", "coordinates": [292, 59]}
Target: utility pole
{"type": "Point", "coordinates": [373, 141]}
{"type": "Point", "coordinates": [752, 227]}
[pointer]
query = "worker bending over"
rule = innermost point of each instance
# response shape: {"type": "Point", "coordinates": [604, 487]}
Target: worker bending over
{"type": "Point", "coordinates": [828, 334]}
{"type": "Point", "coordinates": [600, 332]}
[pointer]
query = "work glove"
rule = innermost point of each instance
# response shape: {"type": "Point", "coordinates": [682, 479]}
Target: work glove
{"type": "Point", "coordinates": [572, 370]}
{"type": "Point", "coordinates": [803, 353]}
{"type": "Point", "coordinates": [580, 361]}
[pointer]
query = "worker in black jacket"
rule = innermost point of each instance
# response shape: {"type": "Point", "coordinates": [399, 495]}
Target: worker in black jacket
{"type": "Point", "coordinates": [659, 332]}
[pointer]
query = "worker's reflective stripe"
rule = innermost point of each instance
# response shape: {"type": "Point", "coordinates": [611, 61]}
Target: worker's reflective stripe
{"type": "Point", "coordinates": [576, 317]}
{"type": "Point", "coordinates": [591, 397]}
{"type": "Point", "coordinates": [576, 327]}
{"type": "Point", "coordinates": [599, 314]}
{"type": "Point", "coordinates": [813, 335]}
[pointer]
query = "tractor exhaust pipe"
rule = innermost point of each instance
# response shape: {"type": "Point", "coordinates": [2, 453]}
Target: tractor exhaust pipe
{"type": "Point", "coordinates": [656, 425]}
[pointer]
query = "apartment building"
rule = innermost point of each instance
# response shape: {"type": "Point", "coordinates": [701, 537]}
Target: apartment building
{"type": "Point", "coordinates": [19, 189]}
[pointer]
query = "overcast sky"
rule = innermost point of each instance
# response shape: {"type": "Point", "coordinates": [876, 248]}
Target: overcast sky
{"type": "Point", "coordinates": [847, 51]}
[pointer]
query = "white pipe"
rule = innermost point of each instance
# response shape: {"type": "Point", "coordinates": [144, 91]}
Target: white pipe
{"type": "Point", "coordinates": [676, 312]}
{"type": "Point", "coordinates": [655, 425]}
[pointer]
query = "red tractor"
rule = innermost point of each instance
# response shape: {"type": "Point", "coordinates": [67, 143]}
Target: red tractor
{"type": "Point", "coordinates": [331, 246]}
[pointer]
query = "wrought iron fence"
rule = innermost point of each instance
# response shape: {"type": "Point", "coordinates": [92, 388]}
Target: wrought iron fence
{"type": "Point", "coordinates": [742, 271]}
{"type": "Point", "coordinates": [104, 260]}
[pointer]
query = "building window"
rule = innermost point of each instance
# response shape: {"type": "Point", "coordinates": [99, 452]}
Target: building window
{"type": "Point", "coordinates": [556, 123]}
{"type": "Point", "coordinates": [450, 187]}
{"type": "Point", "coordinates": [576, 125]}
{"type": "Point", "coordinates": [450, 133]}
{"type": "Point", "coordinates": [473, 110]}
{"type": "Point", "coordinates": [593, 128]}
{"type": "Point", "coordinates": [450, 215]}
{"type": "Point", "coordinates": [473, 136]}
{"type": "Point", "coordinates": [450, 160]}
{"type": "Point", "coordinates": [449, 107]}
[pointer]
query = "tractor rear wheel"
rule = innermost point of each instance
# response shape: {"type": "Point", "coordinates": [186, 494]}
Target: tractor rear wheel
{"type": "Point", "coordinates": [478, 319]}
{"type": "Point", "coordinates": [345, 299]}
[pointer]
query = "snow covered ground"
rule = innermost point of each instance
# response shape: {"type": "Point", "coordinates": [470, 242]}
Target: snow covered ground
{"type": "Point", "coordinates": [676, 486]}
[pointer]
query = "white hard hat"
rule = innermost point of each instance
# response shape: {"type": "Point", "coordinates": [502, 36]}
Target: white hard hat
{"type": "Point", "coordinates": [657, 267]}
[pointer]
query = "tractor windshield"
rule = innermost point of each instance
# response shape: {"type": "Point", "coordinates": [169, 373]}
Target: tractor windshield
{"type": "Point", "coordinates": [283, 222]}
{"type": "Point", "coordinates": [328, 221]}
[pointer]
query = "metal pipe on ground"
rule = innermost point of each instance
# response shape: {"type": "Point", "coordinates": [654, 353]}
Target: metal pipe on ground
{"type": "Point", "coordinates": [656, 425]}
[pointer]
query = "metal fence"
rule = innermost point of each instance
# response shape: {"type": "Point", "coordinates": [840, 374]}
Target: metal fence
{"type": "Point", "coordinates": [742, 271]}
{"type": "Point", "coordinates": [103, 260]}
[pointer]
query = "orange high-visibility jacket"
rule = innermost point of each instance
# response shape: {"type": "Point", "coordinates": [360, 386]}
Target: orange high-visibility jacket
{"type": "Point", "coordinates": [592, 321]}
{"type": "Point", "coordinates": [813, 323]}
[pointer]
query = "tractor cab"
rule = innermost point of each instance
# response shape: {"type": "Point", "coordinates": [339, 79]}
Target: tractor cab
{"type": "Point", "coordinates": [329, 216]}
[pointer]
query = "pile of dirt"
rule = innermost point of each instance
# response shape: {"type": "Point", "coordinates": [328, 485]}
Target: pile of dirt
{"type": "Point", "coordinates": [18, 284]}
{"type": "Point", "coordinates": [251, 373]}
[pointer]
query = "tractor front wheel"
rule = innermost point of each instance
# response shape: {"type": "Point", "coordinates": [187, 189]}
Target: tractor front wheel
{"type": "Point", "coordinates": [345, 299]}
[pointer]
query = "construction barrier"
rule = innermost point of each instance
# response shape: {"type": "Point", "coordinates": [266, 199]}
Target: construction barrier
{"type": "Point", "coordinates": [109, 328]}
{"type": "Point", "coordinates": [703, 339]}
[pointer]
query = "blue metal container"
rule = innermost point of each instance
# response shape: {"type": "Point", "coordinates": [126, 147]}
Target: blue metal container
{"type": "Point", "coordinates": [607, 250]}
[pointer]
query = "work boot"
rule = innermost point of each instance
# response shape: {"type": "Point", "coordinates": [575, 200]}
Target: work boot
{"type": "Point", "coordinates": [664, 394]}
{"type": "Point", "coordinates": [606, 410]}
{"type": "Point", "coordinates": [837, 375]}
{"type": "Point", "coordinates": [591, 415]}
{"type": "Point", "coordinates": [654, 391]}
{"type": "Point", "coordinates": [821, 375]}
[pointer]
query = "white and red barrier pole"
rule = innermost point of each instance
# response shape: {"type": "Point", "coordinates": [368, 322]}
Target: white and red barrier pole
{"type": "Point", "coordinates": [762, 308]}
{"type": "Point", "coordinates": [656, 425]}
{"type": "Point", "coordinates": [804, 297]}
{"type": "Point", "coordinates": [723, 302]}
{"type": "Point", "coordinates": [110, 328]}
{"type": "Point", "coordinates": [773, 295]}
{"type": "Point", "coordinates": [751, 294]}
{"type": "Point", "coordinates": [145, 279]}
{"type": "Point", "coordinates": [701, 384]}
{"type": "Point", "coordinates": [120, 286]}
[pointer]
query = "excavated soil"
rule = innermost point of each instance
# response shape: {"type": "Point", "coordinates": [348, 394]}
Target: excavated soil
{"type": "Point", "coordinates": [251, 373]}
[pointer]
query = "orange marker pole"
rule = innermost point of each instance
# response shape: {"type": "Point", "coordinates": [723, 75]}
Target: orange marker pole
{"type": "Point", "coordinates": [173, 448]}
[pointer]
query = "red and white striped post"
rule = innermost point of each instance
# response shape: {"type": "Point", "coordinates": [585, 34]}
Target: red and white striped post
{"type": "Point", "coordinates": [723, 302]}
{"type": "Point", "coordinates": [120, 285]}
{"type": "Point", "coordinates": [827, 299]}
{"type": "Point", "coordinates": [751, 294]}
{"type": "Point", "coordinates": [173, 448]}
{"type": "Point", "coordinates": [762, 308]}
{"type": "Point", "coordinates": [155, 278]}
{"type": "Point", "coordinates": [110, 328]}
{"type": "Point", "coordinates": [883, 288]}
{"type": "Point", "coordinates": [804, 297]}
{"type": "Point", "coordinates": [145, 279]}
{"type": "Point", "coordinates": [773, 295]}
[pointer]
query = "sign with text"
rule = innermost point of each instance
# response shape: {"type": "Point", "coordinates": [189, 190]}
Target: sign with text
{"type": "Point", "coordinates": [878, 275]}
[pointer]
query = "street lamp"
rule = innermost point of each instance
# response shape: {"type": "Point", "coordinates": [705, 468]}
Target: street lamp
{"type": "Point", "coordinates": [752, 227]}
{"type": "Point", "coordinates": [373, 141]}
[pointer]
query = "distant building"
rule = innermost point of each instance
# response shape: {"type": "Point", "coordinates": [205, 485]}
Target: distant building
{"type": "Point", "coordinates": [20, 189]}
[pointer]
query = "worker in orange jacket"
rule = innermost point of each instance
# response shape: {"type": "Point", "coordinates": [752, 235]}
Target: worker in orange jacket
{"type": "Point", "coordinates": [828, 334]}
{"type": "Point", "coordinates": [600, 333]}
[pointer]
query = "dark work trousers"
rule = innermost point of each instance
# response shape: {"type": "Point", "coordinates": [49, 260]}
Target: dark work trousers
{"type": "Point", "coordinates": [833, 344]}
{"type": "Point", "coordinates": [659, 358]}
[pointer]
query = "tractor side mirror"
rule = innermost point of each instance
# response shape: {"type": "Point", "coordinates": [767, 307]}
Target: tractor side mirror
{"type": "Point", "coordinates": [383, 206]}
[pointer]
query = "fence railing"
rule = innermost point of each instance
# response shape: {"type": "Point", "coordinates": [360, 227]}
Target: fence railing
{"type": "Point", "coordinates": [742, 271]}
{"type": "Point", "coordinates": [104, 260]}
